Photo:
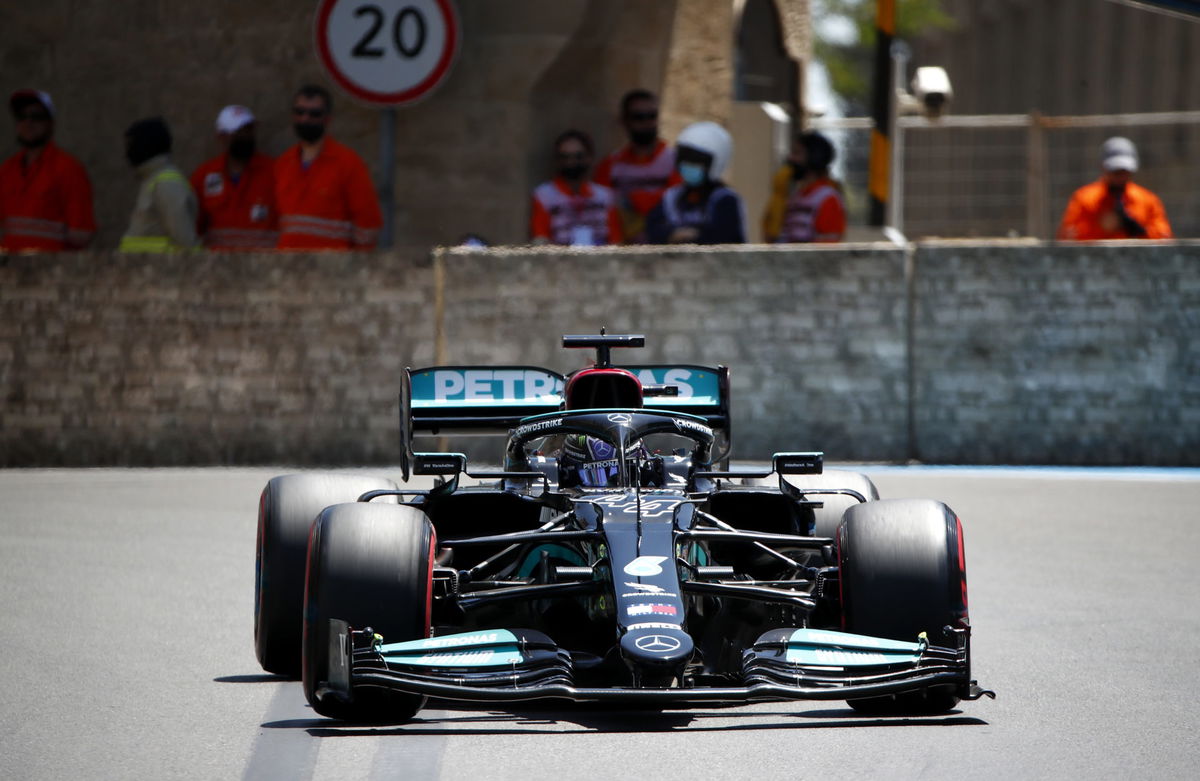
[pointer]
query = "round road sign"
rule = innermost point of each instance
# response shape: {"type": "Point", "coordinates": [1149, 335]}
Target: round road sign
{"type": "Point", "coordinates": [387, 52]}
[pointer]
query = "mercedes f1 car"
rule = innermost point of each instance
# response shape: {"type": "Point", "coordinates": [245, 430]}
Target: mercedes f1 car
{"type": "Point", "coordinates": [613, 558]}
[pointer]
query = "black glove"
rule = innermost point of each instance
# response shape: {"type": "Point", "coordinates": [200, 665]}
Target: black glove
{"type": "Point", "coordinates": [1128, 224]}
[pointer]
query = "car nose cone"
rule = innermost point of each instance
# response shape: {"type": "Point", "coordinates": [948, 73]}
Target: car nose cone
{"type": "Point", "coordinates": [656, 646]}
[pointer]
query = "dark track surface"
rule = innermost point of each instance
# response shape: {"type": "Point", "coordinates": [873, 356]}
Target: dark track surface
{"type": "Point", "coordinates": [126, 651]}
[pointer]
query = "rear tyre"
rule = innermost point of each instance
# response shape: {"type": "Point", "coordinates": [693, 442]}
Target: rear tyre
{"type": "Point", "coordinates": [902, 573]}
{"type": "Point", "coordinates": [286, 511]}
{"type": "Point", "coordinates": [370, 566]}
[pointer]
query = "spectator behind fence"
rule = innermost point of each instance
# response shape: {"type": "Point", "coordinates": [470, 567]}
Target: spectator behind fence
{"type": "Point", "coordinates": [164, 215]}
{"type": "Point", "coordinates": [1113, 207]}
{"type": "Point", "coordinates": [702, 209]}
{"type": "Point", "coordinates": [323, 190]}
{"type": "Point", "coordinates": [45, 194]}
{"type": "Point", "coordinates": [805, 205]}
{"type": "Point", "coordinates": [570, 209]}
{"type": "Point", "coordinates": [642, 169]}
{"type": "Point", "coordinates": [236, 189]}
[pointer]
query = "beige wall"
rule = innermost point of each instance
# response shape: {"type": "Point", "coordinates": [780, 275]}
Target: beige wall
{"type": "Point", "coordinates": [467, 157]}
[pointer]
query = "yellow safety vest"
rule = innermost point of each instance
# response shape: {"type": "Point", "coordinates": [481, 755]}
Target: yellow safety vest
{"type": "Point", "coordinates": [154, 243]}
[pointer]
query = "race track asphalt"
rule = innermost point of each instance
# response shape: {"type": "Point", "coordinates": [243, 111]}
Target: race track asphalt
{"type": "Point", "coordinates": [126, 650]}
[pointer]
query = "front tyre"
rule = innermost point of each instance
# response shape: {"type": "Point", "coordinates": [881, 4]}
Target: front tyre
{"type": "Point", "coordinates": [903, 572]}
{"type": "Point", "coordinates": [370, 566]}
{"type": "Point", "coordinates": [286, 511]}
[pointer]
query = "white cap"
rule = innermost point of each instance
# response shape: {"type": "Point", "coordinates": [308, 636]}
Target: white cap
{"type": "Point", "coordinates": [233, 118]}
{"type": "Point", "coordinates": [35, 94]}
{"type": "Point", "coordinates": [1119, 154]}
{"type": "Point", "coordinates": [712, 139]}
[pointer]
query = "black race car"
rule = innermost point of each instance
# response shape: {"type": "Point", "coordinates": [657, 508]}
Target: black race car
{"type": "Point", "coordinates": [612, 559]}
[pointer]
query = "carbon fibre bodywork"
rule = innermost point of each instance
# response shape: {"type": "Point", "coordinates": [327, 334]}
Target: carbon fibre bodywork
{"type": "Point", "coordinates": [678, 583]}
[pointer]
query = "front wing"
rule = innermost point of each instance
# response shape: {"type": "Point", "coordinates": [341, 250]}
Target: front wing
{"type": "Point", "coordinates": [521, 665]}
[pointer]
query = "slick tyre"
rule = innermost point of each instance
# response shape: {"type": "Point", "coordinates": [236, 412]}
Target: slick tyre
{"type": "Point", "coordinates": [370, 566]}
{"type": "Point", "coordinates": [903, 573]}
{"type": "Point", "coordinates": [286, 511]}
{"type": "Point", "coordinates": [827, 518]}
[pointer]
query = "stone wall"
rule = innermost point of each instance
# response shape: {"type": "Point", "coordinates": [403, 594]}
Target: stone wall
{"type": "Point", "coordinates": [1083, 354]}
{"type": "Point", "coordinates": [208, 358]}
{"type": "Point", "coordinates": [1001, 353]}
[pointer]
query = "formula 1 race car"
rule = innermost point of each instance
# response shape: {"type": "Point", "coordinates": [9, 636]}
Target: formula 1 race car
{"type": "Point", "coordinates": [612, 559]}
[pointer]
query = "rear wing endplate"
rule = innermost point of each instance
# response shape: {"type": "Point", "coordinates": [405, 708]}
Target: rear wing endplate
{"type": "Point", "coordinates": [490, 400]}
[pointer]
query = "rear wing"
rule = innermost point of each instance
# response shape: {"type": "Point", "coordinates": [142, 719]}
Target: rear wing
{"type": "Point", "coordinates": [490, 400]}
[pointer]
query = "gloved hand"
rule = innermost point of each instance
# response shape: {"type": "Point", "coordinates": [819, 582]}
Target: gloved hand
{"type": "Point", "coordinates": [1129, 224]}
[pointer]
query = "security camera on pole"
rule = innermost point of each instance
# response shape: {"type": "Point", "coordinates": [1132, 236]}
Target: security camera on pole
{"type": "Point", "coordinates": [387, 53]}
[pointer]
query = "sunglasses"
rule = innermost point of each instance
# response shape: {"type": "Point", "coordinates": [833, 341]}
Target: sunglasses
{"type": "Point", "coordinates": [315, 113]}
{"type": "Point", "coordinates": [642, 116]}
{"type": "Point", "coordinates": [575, 157]}
{"type": "Point", "coordinates": [33, 116]}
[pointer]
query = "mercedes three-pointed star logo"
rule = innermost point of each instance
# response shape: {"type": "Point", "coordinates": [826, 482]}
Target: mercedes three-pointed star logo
{"type": "Point", "coordinates": [657, 644]}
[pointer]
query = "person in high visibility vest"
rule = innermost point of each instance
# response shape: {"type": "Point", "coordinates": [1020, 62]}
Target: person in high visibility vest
{"type": "Point", "coordinates": [45, 193]}
{"type": "Point", "coordinates": [641, 170]}
{"type": "Point", "coordinates": [571, 209]}
{"type": "Point", "coordinates": [164, 215]}
{"type": "Point", "coordinates": [323, 190]}
{"type": "Point", "coordinates": [1113, 207]}
{"type": "Point", "coordinates": [806, 204]}
{"type": "Point", "coordinates": [236, 189]}
{"type": "Point", "coordinates": [703, 209]}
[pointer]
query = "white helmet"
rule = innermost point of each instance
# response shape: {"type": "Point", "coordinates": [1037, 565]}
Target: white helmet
{"type": "Point", "coordinates": [712, 139]}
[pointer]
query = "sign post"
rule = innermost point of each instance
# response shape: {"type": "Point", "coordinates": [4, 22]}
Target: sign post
{"type": "Point", "coordinates": [387, 53]}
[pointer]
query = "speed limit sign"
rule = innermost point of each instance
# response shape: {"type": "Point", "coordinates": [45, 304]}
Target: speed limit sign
{"type": "Point", "coordinates": [387, 52]}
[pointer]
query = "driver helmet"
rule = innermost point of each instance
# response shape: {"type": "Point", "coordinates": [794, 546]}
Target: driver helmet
{"type": "Point", "coordinates": [592, 460]}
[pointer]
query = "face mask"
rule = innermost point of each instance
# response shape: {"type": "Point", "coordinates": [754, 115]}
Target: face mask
{"type": "Point", "coordinates": [309, 132]}
{"type": "Point", "coordinates": [33, 143]}
{"type": "Point", "coordinates": [242, 148]}
{"type": "Point", "coordinates": [572, 173]}
{"type": "Point", "coordinates": [693, 174]}
{"type": "Point", "coordinates": [799, 171]}
{"type": "Point", "coordinates": [644, 137]}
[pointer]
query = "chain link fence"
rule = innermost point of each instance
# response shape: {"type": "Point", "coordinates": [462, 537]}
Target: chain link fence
{"type": "Point", "coordinates": [1012, 175]}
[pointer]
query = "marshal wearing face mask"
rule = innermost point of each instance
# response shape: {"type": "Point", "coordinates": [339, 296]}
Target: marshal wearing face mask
{"type": "Point", "coordinates": [236, 189]}
{"type": "Point", "coordinates": [806, 204]}
{"type": "Point", "coordinates": [323, 190]}
{"type": "Point", "coordinates": [164, 215]}
{"type": "Point", "coordinates": [702, 209]}
{"type": "Point", "coordinates": [571, 209]}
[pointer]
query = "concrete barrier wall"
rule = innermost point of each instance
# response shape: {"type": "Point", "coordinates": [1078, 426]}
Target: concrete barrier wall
{"type": "Point", "coordinates": [207, 358]}
{"type": "Point", "coordinates": [1081, 354]}
{"type": "Point", "coordinates": [1001, 353]}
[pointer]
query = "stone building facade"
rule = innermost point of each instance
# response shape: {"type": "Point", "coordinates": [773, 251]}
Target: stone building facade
{"type": "Point", "coordinates": [466, 157]}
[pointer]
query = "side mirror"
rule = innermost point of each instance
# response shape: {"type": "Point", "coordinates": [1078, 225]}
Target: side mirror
{"type": "Point", "coordinates": [798, 463]}
{"type": "Point", "coordinates": [438, 463]}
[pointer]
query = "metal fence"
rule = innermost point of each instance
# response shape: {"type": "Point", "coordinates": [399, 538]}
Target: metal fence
{"type": "Point", "coordinates": [1012, 174]}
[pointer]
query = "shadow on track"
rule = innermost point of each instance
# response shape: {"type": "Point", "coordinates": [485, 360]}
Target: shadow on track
{"type": "Point", "coordinates": [256, 678]}
{"type": "Point", "coordinates": [449, 719]}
